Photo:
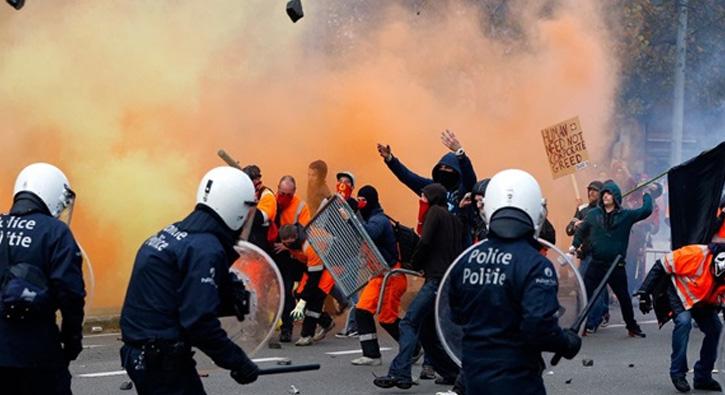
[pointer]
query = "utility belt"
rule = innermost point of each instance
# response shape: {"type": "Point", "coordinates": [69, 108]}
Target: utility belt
{"type": "Point", "coordinates": [164, 355]}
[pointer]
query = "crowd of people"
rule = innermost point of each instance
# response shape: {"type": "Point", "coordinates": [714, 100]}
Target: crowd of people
{"type": "Point", "coordinates": [506, 301]}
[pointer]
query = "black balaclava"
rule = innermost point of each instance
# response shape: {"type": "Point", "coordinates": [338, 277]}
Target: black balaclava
{"type": "Point", "coordinates": [371, 196]}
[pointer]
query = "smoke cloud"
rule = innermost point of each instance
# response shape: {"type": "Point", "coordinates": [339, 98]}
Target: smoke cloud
{"type": "Point", "coordinates": [132, 100]}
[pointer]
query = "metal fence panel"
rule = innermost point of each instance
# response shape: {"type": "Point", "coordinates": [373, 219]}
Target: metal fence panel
{"type": "Point", "coordinates": [347, 251]}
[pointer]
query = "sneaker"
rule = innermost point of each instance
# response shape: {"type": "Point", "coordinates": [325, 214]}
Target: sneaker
{"type": "Point", "coordinates": [322, 332]}
{"type": "Point", "coordinates": [304, 341]}
{"type": "Point", "coordinates": [589, 331]}
{"type": "Point", "coordinates": [605, 321]}
{"type": "Point", "coordinates": [390, 382]}
{"type": "Point", "coordinates": [637, 332]}
{"type": "Point", "coordinates": [367, 361]}
{"type": "Point", "coordinates": [274, 344]}
{"type": "Point", "coordinates": [428, 373]}
{"type": "Point", "coordinates": [449, 392]}
{"type": "Point", "coordinates": [707, 385]}
{"type": "Point", "coordinates": [681, 384]}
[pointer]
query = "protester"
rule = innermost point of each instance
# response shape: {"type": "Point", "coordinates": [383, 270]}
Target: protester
{"type": "Point", "coordinates": [689, 283]}
{"type": "Point", "coordinates": [440, 243]}
{"type": "Point", "coordinates": [608, 227]}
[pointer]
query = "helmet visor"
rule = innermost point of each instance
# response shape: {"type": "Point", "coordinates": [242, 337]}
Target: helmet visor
{"type": "Point", "coordinates": [68, 200]}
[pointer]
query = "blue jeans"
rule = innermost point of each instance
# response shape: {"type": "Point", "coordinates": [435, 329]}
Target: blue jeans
{"type": "Point", "coordinates": [710, 324]}
{"type": "Point", "coordinates": [419, 324]}
{"type": "Point", "coordinates": [602, 307]}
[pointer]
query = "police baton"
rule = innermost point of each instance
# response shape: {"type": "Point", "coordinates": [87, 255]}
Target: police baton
{"type": "Point", "coordinates": [289, 369]}
{"type": "Point", "coordinates": [228, 159]}
{"type": "Point", "coordinates": [595, 295]}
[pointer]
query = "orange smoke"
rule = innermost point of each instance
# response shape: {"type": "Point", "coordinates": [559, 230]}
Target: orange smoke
{"type": "Point", "coordinates": [133, 101]}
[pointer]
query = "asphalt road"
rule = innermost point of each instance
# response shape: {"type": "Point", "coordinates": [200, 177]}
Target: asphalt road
{"type": "Point", "coordinates": [622, 365]}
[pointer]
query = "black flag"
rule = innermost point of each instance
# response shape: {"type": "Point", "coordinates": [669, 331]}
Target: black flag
{"type": "Point", "coordinates": [695, 189]}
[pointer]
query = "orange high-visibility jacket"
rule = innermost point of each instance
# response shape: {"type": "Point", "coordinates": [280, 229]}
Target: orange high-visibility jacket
{"type": "Point", "coordinates": [267, 205]}
{"type": "Point", "coordinates": [296, 212]}
{"type": "Point", "coordinates": [314, 264]}
{"type": "Point", "coordinates": [692, 277]}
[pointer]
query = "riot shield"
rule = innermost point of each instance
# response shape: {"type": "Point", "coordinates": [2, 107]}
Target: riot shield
{"type": "Point", "coordinates": [89, 279]}
{"type": "Point", "coordinates": [572, 299]}
{"type": "Point", "coordinates": [262, 279]}
{"type": "Point", "coordinates": [339, 238]}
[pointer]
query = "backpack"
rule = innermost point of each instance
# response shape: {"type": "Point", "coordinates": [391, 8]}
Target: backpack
{"type": "Point", "coordinates": [406, 240]}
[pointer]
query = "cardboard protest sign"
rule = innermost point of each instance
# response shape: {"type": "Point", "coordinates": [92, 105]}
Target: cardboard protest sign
{"type": "Point", "coordinates": [565, 147]}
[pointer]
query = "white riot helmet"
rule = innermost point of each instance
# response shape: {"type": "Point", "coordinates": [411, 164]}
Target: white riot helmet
{"type": "Point", "coordinates": [50, 185]}
{"type": "Point", "coordinates": [513, 204]}
{"type": "Point", "coordinates": [229, 192]}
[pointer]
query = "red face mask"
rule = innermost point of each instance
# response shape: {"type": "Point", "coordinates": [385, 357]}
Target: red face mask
{"type": "Point", "coordinates": [344, 190]}
{"type": "Point", "coordinates": [422, 211]}
{"type": "Point", "coordinates": [361, 203]}
{"type": "Point", "coordinates": [284, 201]}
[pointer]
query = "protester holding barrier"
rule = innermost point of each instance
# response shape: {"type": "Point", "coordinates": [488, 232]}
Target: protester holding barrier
{"type": "Point", "coordinates": [380, 230]}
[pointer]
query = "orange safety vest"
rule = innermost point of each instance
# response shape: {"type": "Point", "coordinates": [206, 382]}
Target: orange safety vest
{"type": "Point", "coordinates": [267, 205]}
{"type": "Point", "coordinates": [314, 264]}
{"type": "Point", "coordinates": [691, 276]}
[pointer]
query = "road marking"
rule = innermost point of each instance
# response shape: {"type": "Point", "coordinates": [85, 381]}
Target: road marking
{"type": "Point", "coordinates": [347, 352]}
{"type": "Point", "coordinates": [102, 374]}
{"type": "Point", "coordinates": [95, 345]}
{"type": "Point", "coordinates": [123, 372]}
{"type": "Point", "coordinates": [623, 325]}
{"type": "Point", "coordinates": [103, 335]}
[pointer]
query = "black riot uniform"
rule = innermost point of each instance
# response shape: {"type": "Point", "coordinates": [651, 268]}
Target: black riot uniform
{"type": "Point", "coordinates": [504, 293]}
{"type": "Point", "coordinates": [41, 262]}
{"type": "Point", "coordinates": [178, 288]}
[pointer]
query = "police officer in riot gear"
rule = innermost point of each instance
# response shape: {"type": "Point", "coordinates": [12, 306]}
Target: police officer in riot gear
{"type": "Point", "coordinates": [180, 284]}
{"type": "Point", "coordinates": [40, 273]}
{"type": "Point", "coordinates": [504, 294]}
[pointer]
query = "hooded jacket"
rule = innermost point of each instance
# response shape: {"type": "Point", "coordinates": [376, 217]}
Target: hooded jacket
{"type": "Point", "coordinates": [608, 233]}
{"type": "Point", "coordinates": [460, 164]}
{"type": "Point", "coordinates": [442, 238]}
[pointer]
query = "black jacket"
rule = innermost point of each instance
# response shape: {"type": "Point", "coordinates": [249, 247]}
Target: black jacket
{"type": "Point", "coordinates": [177, 287]}
{"type": "Point", "coordinates": [48, 243]}
{"type": "Point", "coordinates": [442, 238]}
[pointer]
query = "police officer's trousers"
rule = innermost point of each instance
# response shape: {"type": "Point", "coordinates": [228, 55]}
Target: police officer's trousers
{"type": "Point", "coordinates": [32, 381]}
{"type": "Point", "coordinates": [182, 379]}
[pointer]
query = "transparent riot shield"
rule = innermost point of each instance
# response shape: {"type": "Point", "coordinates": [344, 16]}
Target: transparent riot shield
{"type": "Point", "coordinates": [263, 280]}
{"type": "Point", "coordinates": [572, 299]}
{"type": "Point", "coordinates": [89, 279]}
{"type": "Point", "coordinates": [720, 362]}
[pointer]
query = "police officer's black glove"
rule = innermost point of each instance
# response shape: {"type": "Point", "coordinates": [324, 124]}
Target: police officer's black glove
{"type": "Point", "coordinates": [573, 344]}
{"type": "Point", "coordinates": [645, 301]}
{"type": "Point", "coordinates": [246, 375]}
{"type": "Point", "coordinates": [72, 346]}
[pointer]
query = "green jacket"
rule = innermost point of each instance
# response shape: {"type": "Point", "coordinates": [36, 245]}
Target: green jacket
{"type": "Point", "coordinates": [608, 234]}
